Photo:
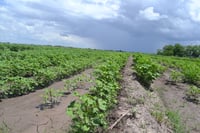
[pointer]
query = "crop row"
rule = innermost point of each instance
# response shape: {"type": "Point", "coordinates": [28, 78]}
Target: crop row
{"type": "Point", "coordinates": [90, 111]}
{"type": "Point", "coordinates": [181, 70]}
{"type": "Point", "coordinates": [146, 69]}
{"type": "Point", "coordinates": [186, 68]}
{"type": "Point", "coordinates": [23, 71]}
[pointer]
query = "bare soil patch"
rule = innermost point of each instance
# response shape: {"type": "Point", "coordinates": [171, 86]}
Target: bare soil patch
{"type": "Point", "coordinates": [22, 115]}
{"type": "Point", "coordinates": [174, 98]}
{"type": "Point", "coordinates": [139, 103]}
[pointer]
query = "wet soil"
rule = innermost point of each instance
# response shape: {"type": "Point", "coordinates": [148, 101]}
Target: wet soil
{"type": "Point", "coordinates": [23, 115]}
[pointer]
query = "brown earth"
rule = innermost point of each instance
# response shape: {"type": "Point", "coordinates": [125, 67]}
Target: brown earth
{"type": "Point", "coordinates": [174, 98]}
{"type": "Point", "coordinates": [139, 103]}
{"type": "Point", "coordinates": [23, 115]}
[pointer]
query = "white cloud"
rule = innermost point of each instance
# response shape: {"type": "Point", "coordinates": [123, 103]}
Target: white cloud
{"type": "Point", "coordinates": [69, 40]}
{"type": "Point", "coordinates": [107, 24]}
{"type": "Point", "coordinates": [3, 9]}
{"type": "Point", "coordinates": [2, 27]}
{"type": "Point", "coordinates": [92, 8]}
{"type": "Point", "coordinates": [78, 41]}
{"type": "Point", "coordinates": [97, 9]}
{"type": "Point", "coordinates": [42, 30]}
{"type": "Point", "coordinates": [194, 10]}
{"type": "Point", "coordinates": [150, 14]}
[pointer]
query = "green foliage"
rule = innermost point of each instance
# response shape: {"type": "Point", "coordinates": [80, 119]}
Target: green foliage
{"type": "Point", "coordinates": [87, 114]}
{"type": "Point", "coordinates": [146, 69]}
{"type": "Point", "coordinates": [167, 50]}
{"type": "Point", "coordinates": [72, 84]}
{"type": "Point", "coordinates": [159, 113]}
{"type": "Point", "coordinates": [185, 69]}
{"type": "Point", "coordinates": [176, 76]}
{"type": "Point", "coordinates": [25, 68]}
{"type": "Point", "coordinates": [159, 116]}
{"type": "Point", "coordinates": [180, 50]}
{"type": "Point", "coordinates": [175, 121]}
{"type": "Point", "coordinates": [191, 73]}
{"type": "Point", "coordinates": [4, 128]}
{"type": "Point", "coordinates": [18, 86]}
{"type": "Point", "coordinates": [51, 96]}
{"type": "Point", "coordinates": [90, 111]}
{"type": "Point", "coordinates": [44, 76]}
{"type": "Point", "coordinates": [193, 93]}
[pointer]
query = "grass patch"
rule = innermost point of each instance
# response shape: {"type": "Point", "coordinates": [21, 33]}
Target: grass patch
{"type": "Point", "coordinates": [4, 128]}
{"type": "Point", "coordinates": [159, 116]}
{"type": "Point", "coordinates": [175, 121]}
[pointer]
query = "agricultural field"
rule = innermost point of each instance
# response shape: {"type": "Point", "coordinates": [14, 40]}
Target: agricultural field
{"type": "Point", "coordinates": [58, 89]}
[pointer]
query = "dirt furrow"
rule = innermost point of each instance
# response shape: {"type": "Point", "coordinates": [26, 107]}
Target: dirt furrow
{"type": "Point", "coordinates": [140, 103]}
{"type": "Point", "coordinates": [174, 98]}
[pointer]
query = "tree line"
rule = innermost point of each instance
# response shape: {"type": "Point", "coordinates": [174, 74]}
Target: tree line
{"type": "Point", "coordinates": [180, 50]}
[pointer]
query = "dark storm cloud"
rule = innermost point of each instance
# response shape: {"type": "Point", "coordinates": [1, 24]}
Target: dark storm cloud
{"type": "Point", "coordinates": [144, 25]}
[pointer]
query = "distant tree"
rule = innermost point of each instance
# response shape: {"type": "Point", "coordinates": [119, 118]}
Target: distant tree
{"type": "Point", "coordinates": [189, 51]}
{"type": "Point", "coordinates": [179, 50]}
{"type": "Point", "coordinates": [159, 52]}
{"type": "Point", "coordinates": [168, 50]}
{"type": "Point", "coordinates": [196, 51]}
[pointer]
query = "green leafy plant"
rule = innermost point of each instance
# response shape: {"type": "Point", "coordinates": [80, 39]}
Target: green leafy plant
{"type": "Point", "coordinates": [146, 69]}
{"type": "Point", "coordinates": [176, 76]}
{"type": "Point", "coordinates": [193, 94]}
{"type": "Point", "coordinates": [90, 111]}
{"type": "Point", "coordinates": [18, 86]}
{"type": "Point", "coordinates": [51, 97]}
{"type": "Point", "coordinates": [87, 114]}
{"type": "Point", "coordinates": [188, 67]}
{"type": "Point", "coordinates": [191, 73]}
{"type": "Point", "coordinates": [23, 71]}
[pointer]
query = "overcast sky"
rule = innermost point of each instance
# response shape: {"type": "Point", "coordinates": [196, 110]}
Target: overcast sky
{"type": "Point", "coordinates": [133, 25]}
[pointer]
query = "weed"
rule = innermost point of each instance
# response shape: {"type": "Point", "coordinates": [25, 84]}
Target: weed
{"type": "Point", "coordinates": [159, 116]}
{"type": "Point", "coordinates": [143, 125]}
{"type": "Point", "coordinates": [176, 76]}
{"type": "Point", "coordinates": [140, 100]}
{"type": "Point", "coordinates": [132, 101]}
{"type": "Point", "coordinates": [51, 96]}
{"type": "Point", "coordinates": [72, 84]}
{"type": "Point", "coordinates": [193, 94]}
{"type": "Point", "coordinates": [133, 112]}
{"type": "Point", "coordinates": [159, 113]}
{"type": "Point", "coordinates": [175, 121]}
{"type": "Point", "coordinates": [4, 128]}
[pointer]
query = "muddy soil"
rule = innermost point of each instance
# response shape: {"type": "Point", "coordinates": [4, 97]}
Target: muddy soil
{"type": "Point", "coordinates": [23, 114]}
{"type": "Point", "coordinates": [174, 98]}
{"type": "Point", "coordinates": [139, 103]}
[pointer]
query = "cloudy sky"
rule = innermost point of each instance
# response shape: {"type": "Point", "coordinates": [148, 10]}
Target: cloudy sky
{"type": "Point", "coordinates": [132, 25]}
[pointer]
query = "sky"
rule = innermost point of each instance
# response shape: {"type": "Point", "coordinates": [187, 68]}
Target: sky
{"type": "Point", "coordinates": [130, 25]}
